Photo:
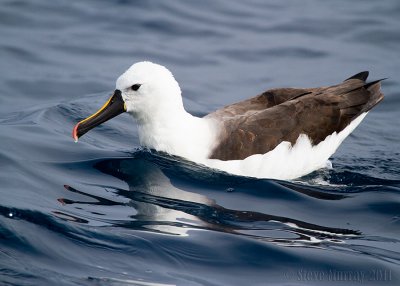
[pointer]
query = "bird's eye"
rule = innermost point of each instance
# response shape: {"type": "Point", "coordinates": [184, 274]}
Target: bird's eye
{"type": "Point", "coordinates": [135, 87]}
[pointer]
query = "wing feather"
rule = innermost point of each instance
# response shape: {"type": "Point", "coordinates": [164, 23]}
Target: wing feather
{"type": "Point", "coordinates": [259, 124]}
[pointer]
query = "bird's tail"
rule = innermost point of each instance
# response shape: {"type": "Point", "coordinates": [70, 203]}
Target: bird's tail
{"type": "Point", "coordinates": [374, 94]}
{"type": "Point", "coordinates": [361, 98]}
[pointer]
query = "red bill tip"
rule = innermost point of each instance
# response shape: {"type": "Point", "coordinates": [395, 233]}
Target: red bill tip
{"type": "Point", "coordinates": [75, 132]}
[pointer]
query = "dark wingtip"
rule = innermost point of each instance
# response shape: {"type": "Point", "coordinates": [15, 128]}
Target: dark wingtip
{"type": "Point", "coordinates": [361, 76]}
{"type": "Point", "coordinates": [366, 86]}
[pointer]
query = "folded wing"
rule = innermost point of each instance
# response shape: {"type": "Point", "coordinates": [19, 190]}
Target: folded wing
{"type": "Point", "coordinates": [259, 124]}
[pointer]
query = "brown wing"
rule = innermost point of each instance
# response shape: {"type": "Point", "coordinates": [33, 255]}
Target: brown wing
{"type": "Point", "coordinates": [263, 101]}
{"type": "Point", "coordinates": [259, 124]}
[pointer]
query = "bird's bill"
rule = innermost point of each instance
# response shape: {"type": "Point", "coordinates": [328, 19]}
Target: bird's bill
{"type": "Point", "coordinates": [113, 107]}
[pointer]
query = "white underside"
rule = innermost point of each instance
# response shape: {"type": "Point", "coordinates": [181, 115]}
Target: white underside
{"type": "Point", "coordinates": [194, 138]}
{"type": "Point", "coordinates": [287, 162]}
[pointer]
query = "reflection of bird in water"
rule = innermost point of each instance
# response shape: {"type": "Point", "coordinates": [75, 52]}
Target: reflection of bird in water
{"type": "Point", "coordinates": [162, 207]}
{"type": "Point", "coordinates": [283, 133]}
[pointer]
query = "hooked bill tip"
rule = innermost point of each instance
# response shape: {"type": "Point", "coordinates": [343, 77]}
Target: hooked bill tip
{"type": "Point", "coordinates": [74, 133]}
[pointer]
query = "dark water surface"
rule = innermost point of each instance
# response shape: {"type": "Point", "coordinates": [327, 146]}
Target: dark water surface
{"type": "Point", "coordinates": [103, 212]}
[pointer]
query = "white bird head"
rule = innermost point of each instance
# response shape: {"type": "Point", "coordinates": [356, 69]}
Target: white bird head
{"type": "Point", "coordinates": [146, 90]}
{"type": "Point", "coordinates": [149, 89]}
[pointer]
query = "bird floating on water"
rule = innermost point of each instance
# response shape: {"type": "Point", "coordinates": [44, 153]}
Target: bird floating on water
{"type": "Point", "coordinates": [283, 133]}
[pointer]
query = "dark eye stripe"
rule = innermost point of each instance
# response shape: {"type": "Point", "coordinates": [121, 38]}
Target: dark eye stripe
{"type": "Point", "coordinates": [135, 86]}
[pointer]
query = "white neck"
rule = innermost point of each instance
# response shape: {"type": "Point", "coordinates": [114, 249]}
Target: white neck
{"type": "Point", "coordinates": [178, 132]}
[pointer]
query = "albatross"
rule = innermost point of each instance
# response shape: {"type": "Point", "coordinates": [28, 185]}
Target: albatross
{"type": "Point", "coordinates": [283, 133]}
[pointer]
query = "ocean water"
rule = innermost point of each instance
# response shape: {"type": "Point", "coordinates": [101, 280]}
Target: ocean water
{"type": "Point", "coordinates": [106, 212]}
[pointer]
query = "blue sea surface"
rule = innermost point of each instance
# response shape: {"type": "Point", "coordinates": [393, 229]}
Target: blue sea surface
{"type": "Point", "coordinates": [106, 212]}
